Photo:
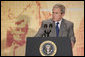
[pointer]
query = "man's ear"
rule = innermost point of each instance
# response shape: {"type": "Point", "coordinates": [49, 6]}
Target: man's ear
{"type": "Point", "coordinates": [63, 14]}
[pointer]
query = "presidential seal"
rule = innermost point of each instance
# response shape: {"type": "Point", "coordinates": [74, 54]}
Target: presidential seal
{"type": "Point", "coordinates": [48, 48]}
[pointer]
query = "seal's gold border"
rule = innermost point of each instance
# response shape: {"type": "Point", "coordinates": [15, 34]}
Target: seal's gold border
{"type": "Point", "coordinates": [55, 48]}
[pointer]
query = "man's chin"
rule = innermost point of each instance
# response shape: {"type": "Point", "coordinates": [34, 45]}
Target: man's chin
{"type": "Point", "coordinates": [56, 20]}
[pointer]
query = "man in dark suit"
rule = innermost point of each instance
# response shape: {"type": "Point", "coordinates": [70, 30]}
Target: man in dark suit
{"type": "Point", "coordinates": [60, 26]}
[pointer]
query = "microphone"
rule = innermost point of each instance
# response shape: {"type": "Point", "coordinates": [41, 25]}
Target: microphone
{"type": "Point", "coordinates": [45, 25]}
{"type": "Point", "coordinates": [50, 25]}
{"type": "Point", "coordinates": [48, 28]}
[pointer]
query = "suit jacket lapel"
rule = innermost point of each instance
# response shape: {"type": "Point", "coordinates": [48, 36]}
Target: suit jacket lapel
{"type": "Point", "coordinates": [53, 33]}
{"type": "Point", "coordinates": [62, 28]}
{"type": "Point", "coordinates": [61, 31]}
{"type": "Point", "coordinates": [54, 29]}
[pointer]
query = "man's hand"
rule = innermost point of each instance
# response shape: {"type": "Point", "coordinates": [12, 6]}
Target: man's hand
{"type": "Point", "coordinates": [72, 44]}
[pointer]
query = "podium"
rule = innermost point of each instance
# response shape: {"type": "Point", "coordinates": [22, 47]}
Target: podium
{"type": "Point", "coordinates": [48, 46]}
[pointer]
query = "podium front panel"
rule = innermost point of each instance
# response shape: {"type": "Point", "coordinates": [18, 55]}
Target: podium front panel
{"type": "Point", "coordinates": [63, 46]}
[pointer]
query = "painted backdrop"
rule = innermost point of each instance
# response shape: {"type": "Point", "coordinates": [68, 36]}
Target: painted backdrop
{"type": "Point", "coordinates": [21, 19]}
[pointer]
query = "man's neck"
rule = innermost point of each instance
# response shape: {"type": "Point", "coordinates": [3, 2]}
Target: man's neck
{"type": "Point", "coordinates": [59, 20]}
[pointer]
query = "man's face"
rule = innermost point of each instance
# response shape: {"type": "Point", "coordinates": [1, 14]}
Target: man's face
{"type": "Point", "coordinates": [56, 14]}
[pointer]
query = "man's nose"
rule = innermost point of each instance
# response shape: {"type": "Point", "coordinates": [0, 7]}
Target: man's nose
{"type": "Point", "coordinates": [54, 14]}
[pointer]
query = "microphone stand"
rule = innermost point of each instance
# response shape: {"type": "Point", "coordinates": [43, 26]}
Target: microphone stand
{"type": "Point", "coordinates": [46, 33]}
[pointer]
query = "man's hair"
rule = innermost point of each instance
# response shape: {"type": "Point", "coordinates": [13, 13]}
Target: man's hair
{"type": "Point", "coordinates": [62, 7]}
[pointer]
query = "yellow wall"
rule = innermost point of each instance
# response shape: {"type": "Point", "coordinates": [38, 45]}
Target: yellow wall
{"type": "Point", "coordinates": [33, 12]}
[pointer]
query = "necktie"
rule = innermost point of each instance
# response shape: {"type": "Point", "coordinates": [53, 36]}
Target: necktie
{"type": "Point", "coordinates": [57, 28]}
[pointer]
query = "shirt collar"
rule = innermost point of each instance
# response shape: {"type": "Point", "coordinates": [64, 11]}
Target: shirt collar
{"type": "Point", "coordinates": [58, 21]}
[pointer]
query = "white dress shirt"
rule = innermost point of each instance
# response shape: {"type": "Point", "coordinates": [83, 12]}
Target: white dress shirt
{"type": "Point", "coordinates": [59, 23]}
